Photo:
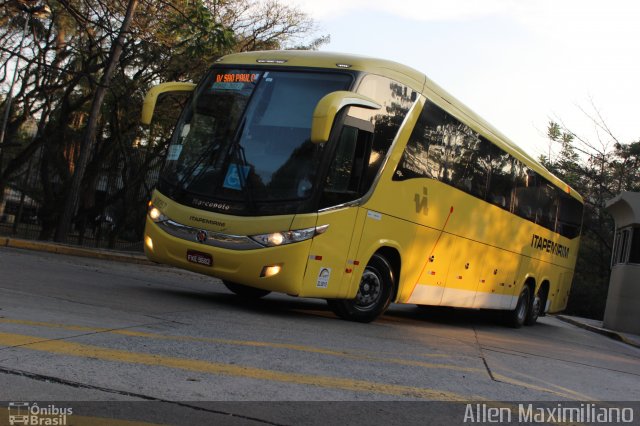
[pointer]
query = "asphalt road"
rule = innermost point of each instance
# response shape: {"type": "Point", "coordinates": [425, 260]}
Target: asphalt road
{"type": "Point", "coordinates": [75, 329]}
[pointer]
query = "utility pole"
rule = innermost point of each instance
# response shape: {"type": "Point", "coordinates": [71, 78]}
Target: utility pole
{"type": "Point", "coordinates": [89, 134]}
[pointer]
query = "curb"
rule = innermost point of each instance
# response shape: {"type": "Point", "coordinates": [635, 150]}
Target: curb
{"type": "Point", "coordinates": [605, 332]}
{"type": "Point", "coordinates": [50, 247]}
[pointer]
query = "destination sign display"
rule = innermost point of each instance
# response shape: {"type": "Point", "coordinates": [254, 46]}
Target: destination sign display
{"type": "Point", "coordinates": [234, 80]}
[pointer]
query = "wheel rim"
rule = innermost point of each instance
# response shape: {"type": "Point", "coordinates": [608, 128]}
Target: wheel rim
{"type": "Point", "coordinates": [536, 307]}
{"type": "Point", "coordinates": [369, 292]}
{"type": "Point", "coordinates": [522, 307]}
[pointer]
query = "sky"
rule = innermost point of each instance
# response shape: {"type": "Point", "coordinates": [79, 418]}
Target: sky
{"type": "Point", "coordinates": [517, 63]}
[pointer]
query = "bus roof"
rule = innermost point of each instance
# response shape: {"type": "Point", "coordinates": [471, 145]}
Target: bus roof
{"type": "Point", "coordinates": [405, 75]}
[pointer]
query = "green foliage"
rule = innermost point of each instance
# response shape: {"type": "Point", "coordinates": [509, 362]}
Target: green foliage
{"type": "Point", "coordinates": [598, 174]}
{"type": "Point", "coordinates": [194, 32]}
{"type": "Point", "coordinates": [63, 58]}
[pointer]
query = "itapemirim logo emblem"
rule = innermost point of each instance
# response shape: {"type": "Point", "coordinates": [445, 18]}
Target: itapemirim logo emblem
{"type": "Point", "coordinates": [31, 414]}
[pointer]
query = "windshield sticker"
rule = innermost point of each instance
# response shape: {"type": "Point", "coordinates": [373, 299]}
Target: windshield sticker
{"type": "Point", "coordinates": [232, 180]}
{"type": "Point", "coordinates": [174, 152]}
{"type": "Point", "coordinates": [228, 86]}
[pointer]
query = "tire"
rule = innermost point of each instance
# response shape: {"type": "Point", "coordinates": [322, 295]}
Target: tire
{"type": "Point", "coordinates": [244, 291]}
{"type": "Point", "coordinates": [374, 293]}
{"type": "Point", "coordinates": [517, 317]}
{"type": "Point", "coordinates": [534, 310]}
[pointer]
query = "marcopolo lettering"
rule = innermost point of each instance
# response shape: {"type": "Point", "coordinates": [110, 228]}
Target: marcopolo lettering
{"type": "Point", "coordinates": [210, 204]}
{"type": "Point", "coordinates": [545, 245]}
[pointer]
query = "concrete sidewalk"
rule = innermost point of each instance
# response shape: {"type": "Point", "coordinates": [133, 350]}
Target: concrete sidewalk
{"type": "Point", "coordinates": [51, 247]}
{"type": "Point", "coordinates": [120, 256]}
{"type": "Point", "coordinates": [597, 327]}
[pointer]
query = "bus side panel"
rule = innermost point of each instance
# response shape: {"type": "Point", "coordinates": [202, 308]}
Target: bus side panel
{"type": "Point", "coordinates": [329, 266]}
{"type": "Point", "coordinates": [464, 272]}
{"type": "Point", "coordinates": [427, 286]}
{"type": "Point", "coordinates": [559, 296]}
{"type": "Point", "coordinates": [381, 230]}
{"type": "Point", "coordinates": [496, 286]}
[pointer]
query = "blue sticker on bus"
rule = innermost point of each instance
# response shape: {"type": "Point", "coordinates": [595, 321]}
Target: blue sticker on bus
{"type": "Point", "coordinates": [232, 180]}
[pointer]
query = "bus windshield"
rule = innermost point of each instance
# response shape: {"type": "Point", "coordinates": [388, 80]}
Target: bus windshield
{"type": "Point", "coordinates": [245, 137]}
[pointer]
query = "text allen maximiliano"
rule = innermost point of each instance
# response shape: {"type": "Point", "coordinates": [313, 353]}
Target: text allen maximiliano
{"type": "Point", "coordinates": [584, 413]}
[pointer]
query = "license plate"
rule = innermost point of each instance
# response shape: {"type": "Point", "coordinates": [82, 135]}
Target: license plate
{"type": "Point", "coordinates": [200, 258]}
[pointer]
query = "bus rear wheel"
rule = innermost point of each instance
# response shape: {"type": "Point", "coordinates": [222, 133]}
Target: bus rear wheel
{"type": "Point", "coordinates": [374, 293]}
{"type": "Point", "coordinates": [534, 310]}
{"type": "Point", "coordinates": [516, 318]}
{"type": "Point", "coordinates": [244, 291]}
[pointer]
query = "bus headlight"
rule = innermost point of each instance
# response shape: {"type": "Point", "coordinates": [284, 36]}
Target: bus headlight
{"type": "Point", "coordinates": [287, 237]}
{"type": "Point", "coordinates": [156, 215]}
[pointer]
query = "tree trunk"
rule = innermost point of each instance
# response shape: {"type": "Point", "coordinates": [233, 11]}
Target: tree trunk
{"type": "Point", "coordinates": [89, 135]}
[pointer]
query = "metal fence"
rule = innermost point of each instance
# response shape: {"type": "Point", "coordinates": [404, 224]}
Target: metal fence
{"type": "Point", "coordinates": [112, 206]}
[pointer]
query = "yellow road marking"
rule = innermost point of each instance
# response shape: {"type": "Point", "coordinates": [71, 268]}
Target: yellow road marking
{"type": "Point", "coordinates": [564, 392]}
{"type": "Point", "coordinates": [512, 381]}
{"type": "Point", "coordinates": [300, 348]}
{"type": "Point", "coordinates": [87, 351]}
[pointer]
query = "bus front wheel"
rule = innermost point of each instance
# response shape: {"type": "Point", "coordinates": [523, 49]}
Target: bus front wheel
{"type": "Point", "coordinates": [517, 317]}
{"type": "Point", "coordinates": [245, 291]}
{"type": "Point", "coordinates": [374, 293]}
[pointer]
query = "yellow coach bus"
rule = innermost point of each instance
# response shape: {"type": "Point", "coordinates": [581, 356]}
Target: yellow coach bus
{"type": "Point", "coordinates": [361, 182]}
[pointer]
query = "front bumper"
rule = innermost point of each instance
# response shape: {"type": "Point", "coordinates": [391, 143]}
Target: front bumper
{"type": "Point", "coordinates": [236, 261]}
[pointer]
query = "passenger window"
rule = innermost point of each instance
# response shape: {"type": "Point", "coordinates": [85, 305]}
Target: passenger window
{"type": "Point", "coordinates": [467, 171]}
{"type": "Point", "coordinates": [525, 192]}
{"type": "Point", "coordinates": [547, 207]}
{"type": "Point", "coordinates": [502, 178]}
{"type": "Point", "coordinates": [440, 147]}
{"type": "Point", "coordinates": [569, 216]}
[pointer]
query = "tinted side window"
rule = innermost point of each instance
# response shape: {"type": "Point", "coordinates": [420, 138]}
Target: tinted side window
{"type": "Point", "coordinates": [396, 100]}
{"type": "Point", "coordinates": [502, 178]}
{"type": "Point", "coordinates": [346, 179]}
{"type": "Point", "coordinates": [547, 207]}
{"type": "Point", "coordinates": [525, 192]}
{"type": "Point", "coordinates": [442, 148]}
{"type": "Point", "coordinates": [569, 216]}
{"type": "Point", "coordinates": [365, 139]}
{"type": "Point", "coordinates": [463, 148]}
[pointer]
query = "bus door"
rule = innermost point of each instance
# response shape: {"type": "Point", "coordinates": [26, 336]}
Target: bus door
{"type": "Point", "coordinates": [496, 285]}
{"type": "Point", "coordinates": [331, 261]}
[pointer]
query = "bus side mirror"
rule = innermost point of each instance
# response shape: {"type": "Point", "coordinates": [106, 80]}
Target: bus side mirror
{"type": "Point", "coordinates": [149, 105]}
{"type": "Point", "coordinates": [329, 106]}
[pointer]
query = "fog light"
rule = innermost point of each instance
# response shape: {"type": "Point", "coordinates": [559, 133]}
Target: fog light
{"type": "Point", "coordinates": [149, 242]}
{"type": "Point", "coordinates": [270, 271]}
